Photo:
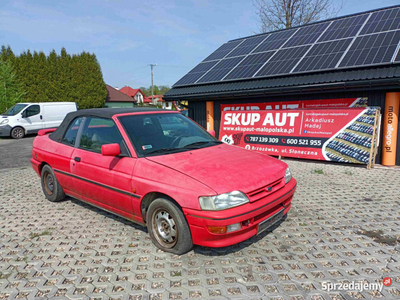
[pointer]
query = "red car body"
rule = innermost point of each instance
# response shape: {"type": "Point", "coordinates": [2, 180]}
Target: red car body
{"type": "Point", "coordinates": [126, 185]}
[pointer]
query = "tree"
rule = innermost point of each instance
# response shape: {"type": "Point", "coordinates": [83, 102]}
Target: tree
{"type": "Point", "coordinates": [11, 90]}
{"type": "Point", "coordinates": [57, 78]}
{"type": "Point", "coordinates": [7, 54]}
{"type": "Point", "coordinates": [88, 88]}
{"type": "Point", "coordinates": [158, 90]}
{"type": "Point", "coordinates": [281, 14]}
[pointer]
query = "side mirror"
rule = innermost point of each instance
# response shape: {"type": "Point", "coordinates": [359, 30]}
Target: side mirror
{"type": "Point", "coordinates": [110, 150]}
{"type": "Point", "coordinates": [24, 114]}
{"type": "Point", "coordinates": [212, 132]}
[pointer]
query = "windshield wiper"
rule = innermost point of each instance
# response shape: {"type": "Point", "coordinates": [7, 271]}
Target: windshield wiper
{"type": "Point", "coordinates": [195, 145]}
{"type": "Point", "coordinates": [200, 143]}
{"type": "Point", "coordinates": [164, 150]}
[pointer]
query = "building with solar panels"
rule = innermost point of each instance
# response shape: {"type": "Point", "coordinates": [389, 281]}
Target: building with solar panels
{"type": "Point", "coordinates": [355, 56]}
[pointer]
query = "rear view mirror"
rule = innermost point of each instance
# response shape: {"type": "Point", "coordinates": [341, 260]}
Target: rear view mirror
{"type": "Point", "coordinates": [110, 150]}
{"type": "Point", "coordinates": [212, 132]}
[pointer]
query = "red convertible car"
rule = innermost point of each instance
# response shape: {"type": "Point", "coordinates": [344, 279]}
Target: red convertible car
{"type": "Point", "coordinates": [160, 169]}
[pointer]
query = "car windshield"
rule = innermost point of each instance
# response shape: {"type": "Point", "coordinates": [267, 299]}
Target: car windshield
{"type": "Point", "coordinates": [164, 133]}
{"type": "Point", "coordinates": [15, 109]}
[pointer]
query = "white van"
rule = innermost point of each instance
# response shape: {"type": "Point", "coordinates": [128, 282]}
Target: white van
{"type": "Point", "coordinates": [24, 118]}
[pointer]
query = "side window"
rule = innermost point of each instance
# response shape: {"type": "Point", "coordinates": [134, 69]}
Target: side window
{"type": "Point", "coordinates": [70, 135]}
{"type": "Point", "coordinates": [32, 110]}
{"type": "Point", "coordinates": [97, 132]}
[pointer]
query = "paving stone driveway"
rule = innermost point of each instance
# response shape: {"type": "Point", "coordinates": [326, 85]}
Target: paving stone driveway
{"type": "Point", "coordinates": [344, 226]}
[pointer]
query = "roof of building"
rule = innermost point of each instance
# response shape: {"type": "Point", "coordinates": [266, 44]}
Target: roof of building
{"type": "Point", "coordinates": [300, 83]}
{"type": "Point", "coordinates": [353, 48]}
{"type": "Point", "coordinates": [114, 95]}
{"type": "Point", "coordinates": [130, 91]}
{"type": "Point", "coordinates": [148, 99]}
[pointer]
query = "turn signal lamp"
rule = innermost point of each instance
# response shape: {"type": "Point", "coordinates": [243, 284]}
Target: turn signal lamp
{"type": "Point", "coordinates": [224, 229]}
{"type": "Point", "coordinates": [217, 229]}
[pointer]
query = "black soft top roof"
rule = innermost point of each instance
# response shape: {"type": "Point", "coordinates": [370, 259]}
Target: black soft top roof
{"type": "Point", "coordinates": [107, 113]}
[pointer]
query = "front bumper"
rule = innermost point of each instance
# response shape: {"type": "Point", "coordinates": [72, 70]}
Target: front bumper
{"type": "Point", "coordinates": [249, 215]}
{"type": "Point", "coordinates": [5, 130]}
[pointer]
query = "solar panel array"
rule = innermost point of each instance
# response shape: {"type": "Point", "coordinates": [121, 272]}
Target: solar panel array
{"type": "Point", "coordinates": [360, 40]}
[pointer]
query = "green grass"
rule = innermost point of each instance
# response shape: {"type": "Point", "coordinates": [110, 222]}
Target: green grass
{"type": "Point", "coordinates": [319, 171]}
{"type": "Point", "coordinates": [21, 275]}
{"type": "Point", "coordinates": [348, 173]}
{"type": "Point", "coordinates": [4, 276]}
{"type": "Point", "coordinates": [176, 273]}
{"type": "Point", "coordinates": [37, 234]}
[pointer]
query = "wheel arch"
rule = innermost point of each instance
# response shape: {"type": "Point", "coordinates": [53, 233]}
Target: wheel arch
{"type": "Point", "coordinates": [42, 164]}
{"type": "Point", "coordinates": [150, 197]}
{"type": "Point", "coordinates": [20, 127]}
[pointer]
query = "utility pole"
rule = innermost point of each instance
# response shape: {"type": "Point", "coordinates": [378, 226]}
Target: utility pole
{"type": "Point", "coordinates": [152, 89]}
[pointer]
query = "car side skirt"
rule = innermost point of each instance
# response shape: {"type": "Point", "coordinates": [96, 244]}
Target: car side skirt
{"type": "Point", "coordinates": [129, 217]}
{"type": "Point", "coordinates": [98, 184]}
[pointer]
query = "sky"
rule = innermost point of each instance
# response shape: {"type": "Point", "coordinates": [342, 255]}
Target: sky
{"type": "Point", "coordinates": [129, 35]}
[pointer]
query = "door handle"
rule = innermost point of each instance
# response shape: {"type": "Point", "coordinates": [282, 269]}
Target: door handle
{"type": "Point", "coordinates": [41, 117]}
{"type": "Point", "coordinates": [78, 159]}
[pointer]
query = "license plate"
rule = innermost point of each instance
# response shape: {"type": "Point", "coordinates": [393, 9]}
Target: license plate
{"type": "Point", "coordinates": [264, 225]}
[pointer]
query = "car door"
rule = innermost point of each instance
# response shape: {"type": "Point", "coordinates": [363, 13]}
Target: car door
{"type": "Point", "coordinates": [62, 153]}
{"type": "Point", "coordinates": [32, 118]}
{"type": "Point", "coordinates": [105, 181]}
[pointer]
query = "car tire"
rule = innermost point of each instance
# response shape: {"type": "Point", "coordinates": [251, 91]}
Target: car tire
{"type": "Point", "coordinates": [50, 186]}
{"type": "Point", "coordinates": [168, 227]}
{"type": "Point", "coordinates": [17, 133]}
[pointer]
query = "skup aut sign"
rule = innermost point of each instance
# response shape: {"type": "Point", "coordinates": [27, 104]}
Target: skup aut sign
{"type": "Point", "coordinates": [344, 135]}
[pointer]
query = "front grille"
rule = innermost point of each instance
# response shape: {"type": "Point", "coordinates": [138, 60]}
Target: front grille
{"type": "Point", "coordinates": [266, 190]}
{"type": "Point", "coordinates": [277, 207]}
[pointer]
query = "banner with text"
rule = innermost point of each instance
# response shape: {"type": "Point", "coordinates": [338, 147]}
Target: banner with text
{"type": "Point", "coordinates": [343, 135]}
{"type": "Point", "coordinates": [321, 103]}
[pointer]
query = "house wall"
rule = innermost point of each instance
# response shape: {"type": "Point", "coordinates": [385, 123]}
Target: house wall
{"type": "Point", "coordinates": [167, 105]}
{"type": "Point", "coordinates": [139, 97]}
{"type": "Point", "coordinates": [197, 109]}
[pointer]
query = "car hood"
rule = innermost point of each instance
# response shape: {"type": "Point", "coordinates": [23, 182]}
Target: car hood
{"type": "Point", "coordinates": [225, 168]}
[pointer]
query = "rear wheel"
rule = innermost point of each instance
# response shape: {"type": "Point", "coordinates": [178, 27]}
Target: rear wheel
{"type": "Point", "coordinates": [50, 186]}
{"type": "Point", "coordinates": [17, 133]}
{"type": "Point", "coordinates": [168, 227]}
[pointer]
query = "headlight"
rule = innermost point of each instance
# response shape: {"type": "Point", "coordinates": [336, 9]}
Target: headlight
{"type": "Point", "coordinates": [223, 201]}
{"type": "Point", "coordinates": [288, 175]}
{"type": "Point", "coordinates": [4, 122]}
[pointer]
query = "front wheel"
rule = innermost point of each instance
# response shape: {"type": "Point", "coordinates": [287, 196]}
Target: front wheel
{"type": "Point", "coordinates": [17, 133]}
{"type": "Point", "coordinates": [51, 188]}
{"type": "Point", "coordinates": [168, 227]}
